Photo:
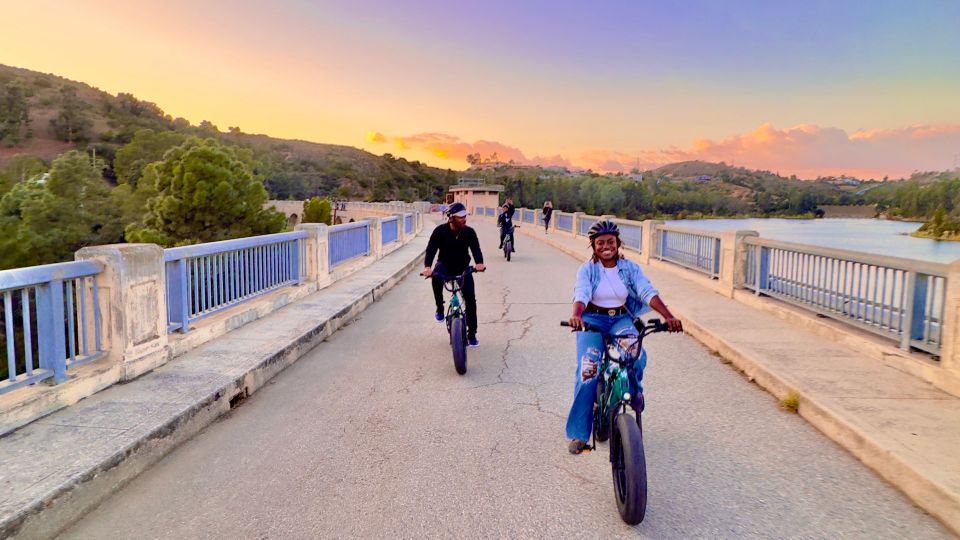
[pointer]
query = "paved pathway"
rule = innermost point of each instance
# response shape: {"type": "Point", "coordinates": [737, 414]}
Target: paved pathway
{"type": "Point", "coordinates": [373, 434]}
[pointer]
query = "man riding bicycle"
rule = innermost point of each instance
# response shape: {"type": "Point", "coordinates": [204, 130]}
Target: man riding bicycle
{"type": "Point", "coordinates": [505, 223]}
{"type": "Point", "coordinates": [455, 241]}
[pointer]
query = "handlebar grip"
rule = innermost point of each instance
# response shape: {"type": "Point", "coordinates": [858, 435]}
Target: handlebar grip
{"type": "Point", "coordinates": [564, 323]}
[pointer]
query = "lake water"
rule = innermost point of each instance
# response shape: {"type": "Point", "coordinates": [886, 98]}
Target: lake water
{"type": "Point", "coordinates": [868, 235]}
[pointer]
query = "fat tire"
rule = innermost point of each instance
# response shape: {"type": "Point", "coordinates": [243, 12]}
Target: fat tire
{"type": "Point", "coordinates": [458, 342]}
{"type": "Point", "coordinates": [629, 467]}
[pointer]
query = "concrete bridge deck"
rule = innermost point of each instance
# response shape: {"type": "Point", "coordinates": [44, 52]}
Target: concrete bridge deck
{"type": "Point", "coordinates": [372, 433]}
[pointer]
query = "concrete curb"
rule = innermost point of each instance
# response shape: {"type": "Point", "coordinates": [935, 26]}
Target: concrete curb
{"type": "Point", "coordinates": [57, 509]}
{"type": "Point", "coordinates": [930, 495]}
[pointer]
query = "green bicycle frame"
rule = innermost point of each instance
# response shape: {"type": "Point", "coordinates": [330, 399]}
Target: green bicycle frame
{"type": "Point", "coordinates": [616, 386]}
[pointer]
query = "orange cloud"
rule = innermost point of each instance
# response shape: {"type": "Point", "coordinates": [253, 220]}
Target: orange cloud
{"type": "Point", "coordinates": [805, 150]}
{"type": "Point", "coordinates": [376, 137]}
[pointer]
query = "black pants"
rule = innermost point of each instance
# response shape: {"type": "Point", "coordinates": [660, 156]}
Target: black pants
{"type": "Point", "coordinates": [469, 298]}
{"type": "Point", "coordinates": [546, 224]}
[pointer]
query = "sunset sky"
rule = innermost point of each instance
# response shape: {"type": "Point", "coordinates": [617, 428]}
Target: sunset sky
{"type": "Point", "coordinates": [806, 88]}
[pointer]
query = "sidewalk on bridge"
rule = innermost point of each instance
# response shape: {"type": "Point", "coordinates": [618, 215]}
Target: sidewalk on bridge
{"type": "Point", "coordinates": [56, 469]}
{"type": "Point", "coordinates": [904, 428]}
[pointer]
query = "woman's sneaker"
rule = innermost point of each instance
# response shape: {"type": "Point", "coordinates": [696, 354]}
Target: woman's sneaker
{"type": "Point", "coordinates": [577, 446]}
{"type": "Point", "coordinates": [438, 316]}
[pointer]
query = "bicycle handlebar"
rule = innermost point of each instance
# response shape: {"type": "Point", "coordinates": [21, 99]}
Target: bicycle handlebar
{"type": "Point", "coordinates": [446, 277]}
{"type": "Point", "coordinates": [650, 327]}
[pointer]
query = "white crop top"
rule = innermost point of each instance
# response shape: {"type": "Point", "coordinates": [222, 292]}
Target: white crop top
{"type": "Point", "coordinates": [611, 292]}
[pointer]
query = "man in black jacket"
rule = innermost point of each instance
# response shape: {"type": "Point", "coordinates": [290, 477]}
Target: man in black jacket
{"type": "Point", "coordinates": [455, 241]}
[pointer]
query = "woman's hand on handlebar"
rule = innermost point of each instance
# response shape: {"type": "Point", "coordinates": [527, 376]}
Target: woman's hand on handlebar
{"type": "Point", "coordinates": [673, 324]}
{"type": "Point", "coordinates": [576, 322]}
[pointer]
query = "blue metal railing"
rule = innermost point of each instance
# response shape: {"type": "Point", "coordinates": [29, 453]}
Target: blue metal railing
{"type": "Point", "coordinates": [528, 216]}
{"type": "Point", "coordinates": [388, 230]}
{"type": "Point", "coordinates": [407, 223]}
{"type": "Point", "coordinates": [901, 299]}
{"type": "Point", "coordinates": [207, 278]}
{"type": "Point", "coordinates": [348, 241]}
{"type": "Point", "coordinates": [697, 250]}
{"type": "Point", "coordinates": [491, 212]}
{"type": "Point", "coordinates": [585, 223]}
{"type": "Point", "coordinates": [631, 233]}
{"type": "Point", "coordinates": [564, 222]}
{"type": "Point", "coordinates": [53, 309]}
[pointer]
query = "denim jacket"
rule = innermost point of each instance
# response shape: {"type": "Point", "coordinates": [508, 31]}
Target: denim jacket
{"type": "Point", "coordinates": [639, 289]}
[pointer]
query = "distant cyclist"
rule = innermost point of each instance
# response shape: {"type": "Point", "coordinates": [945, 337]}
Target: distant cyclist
{"type": "Point", "coordinates": [505, 223]}
{"type": "Point", "coordinates": [547, 214]}
{"type": "Point", "coordinates": [455, 242]}
{"type": "Point", "coordinates": [509, 204]}
{"type": "Point", "coordinates": [610, 292]}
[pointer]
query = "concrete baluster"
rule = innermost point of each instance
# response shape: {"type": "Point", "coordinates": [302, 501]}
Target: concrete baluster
{"type": "Point", "coordinates": [575, 229]}
{"type": "Point", "coordinates": [648, 240]}
{"type": "Point", "coordinates": [733, 260]}
{"type": "Point", "coordinates": [133, 305]}
{"type": "Point", "coordinates": [376, 241]}
{"type": "Point", "coordinates": [950, 347]}
{"type": "Point", "coordinates": [317, 253]}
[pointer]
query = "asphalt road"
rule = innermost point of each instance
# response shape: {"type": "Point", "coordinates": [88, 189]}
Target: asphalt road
{"type": "Point", "coordinates": [373, 434]}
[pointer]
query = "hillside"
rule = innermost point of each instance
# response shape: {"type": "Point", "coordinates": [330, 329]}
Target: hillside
{"type": "Point", "coordinates": [45, 115]}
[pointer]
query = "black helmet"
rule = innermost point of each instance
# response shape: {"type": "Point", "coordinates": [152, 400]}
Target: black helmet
{"type": "Point", "coordinates": [603, 227]}
{"type": "Point", "coordinates": [456, 208]}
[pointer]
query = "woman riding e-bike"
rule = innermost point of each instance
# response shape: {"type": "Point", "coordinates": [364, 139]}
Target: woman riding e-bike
{"type": "Point", "coordinates": [610, 292]}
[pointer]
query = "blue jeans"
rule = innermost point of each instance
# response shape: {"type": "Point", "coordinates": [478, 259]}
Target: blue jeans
{"type": "Point", "coordinates": [590, 347]}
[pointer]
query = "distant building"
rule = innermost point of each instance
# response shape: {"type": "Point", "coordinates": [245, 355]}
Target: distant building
{"type": "Point", "coordinates": [472, 192]}
{"type": "Point", "coordinates": [703, 178]}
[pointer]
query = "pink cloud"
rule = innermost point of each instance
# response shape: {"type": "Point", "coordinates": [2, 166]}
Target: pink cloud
{"type": "Point", "coordinates": [804, 150]}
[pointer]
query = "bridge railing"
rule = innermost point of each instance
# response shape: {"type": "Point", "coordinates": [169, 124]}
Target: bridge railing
{"type": "Point", "coordinates": [205, 279]}
{"type": "Point", "coordinates": [903, 300]}
{"type": "Point", "coordinates": [389, 231]}
{"type": "Point", "coordinates": [136, 306]}
{"type": "Point", "coordinates": [51, 321]}
{"type": "Point", "coordinates": [527, 215]}
{"type": "Point", "coordinates": [348, 241]}
{"type": "Point", "coordinates": [584, 224]}
{"type": "Point", "coordinates": [900, 299]}
{"type": "Point", "coordinates": [631, 233]}
{"type": "Point", "coordinates": [690, 248]}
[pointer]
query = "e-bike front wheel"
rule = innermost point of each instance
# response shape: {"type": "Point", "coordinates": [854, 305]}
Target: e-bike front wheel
{"type": "Point", "coordinates": [629, 469]}
{"type": "Point", "coordinates": [458, 341]}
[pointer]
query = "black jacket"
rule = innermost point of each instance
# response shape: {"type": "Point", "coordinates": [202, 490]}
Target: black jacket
{"type": "Point", "coordinates": [454, 249]}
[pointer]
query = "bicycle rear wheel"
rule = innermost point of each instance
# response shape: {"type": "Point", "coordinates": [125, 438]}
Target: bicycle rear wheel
{"type": "Point", "coordinates": [629, 469]}
{"type": "Point", "coordinates": [458, 341]}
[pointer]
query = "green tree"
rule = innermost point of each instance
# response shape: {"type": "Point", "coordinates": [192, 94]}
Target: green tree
{"type": "Point", "coordinates": [317, 210]}
{"type": "Point", "coordinates": [71, 124]}
{"type": "Point", "coordinates": [205, 192]}
{"type": "Point", "coordinates": [19, 169]}
{"type": "Point", "coordinates": [46, 218]}
{"type": "Point", "coordinates": [14, 113]}
{"type": "Point", "coordinates": [146, 147]}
